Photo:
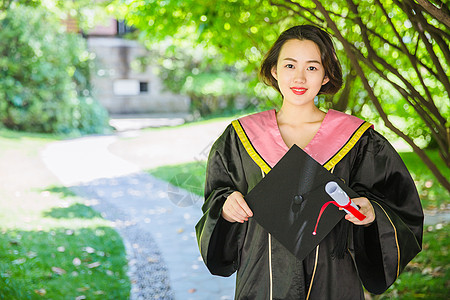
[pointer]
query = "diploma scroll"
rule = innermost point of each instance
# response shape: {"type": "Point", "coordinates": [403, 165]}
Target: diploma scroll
{"type": "Point", "coordinates": [343, 200]}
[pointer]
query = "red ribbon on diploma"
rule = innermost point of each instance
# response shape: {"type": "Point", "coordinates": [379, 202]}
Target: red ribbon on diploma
{"type": "Point", "coordinates": [348, 207]}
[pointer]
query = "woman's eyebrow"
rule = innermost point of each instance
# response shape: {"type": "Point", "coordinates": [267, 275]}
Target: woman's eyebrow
{"type": "Point", "coordinates": [308, 61]}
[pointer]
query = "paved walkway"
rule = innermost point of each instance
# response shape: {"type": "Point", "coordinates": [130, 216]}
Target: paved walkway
{"type": "Point", "coordinates": [159, 235]}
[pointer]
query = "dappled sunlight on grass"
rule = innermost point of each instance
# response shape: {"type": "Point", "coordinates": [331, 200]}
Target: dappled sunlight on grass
{"type": "Point", "coordinates": [62, 263]}
{"type": "Point", "coordinates": [58, 248]}
{"type": "Point", "coordinates": [52, 244]}
{"type": "Point", "coordinates": [74, 211]}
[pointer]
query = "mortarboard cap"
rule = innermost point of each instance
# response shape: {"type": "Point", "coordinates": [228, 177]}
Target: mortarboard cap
{"type": "Point", "coordinates": [287, 202]}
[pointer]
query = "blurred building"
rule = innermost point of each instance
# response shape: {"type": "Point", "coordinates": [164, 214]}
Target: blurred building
{"type": "Point", "coordinates": [119, 87]}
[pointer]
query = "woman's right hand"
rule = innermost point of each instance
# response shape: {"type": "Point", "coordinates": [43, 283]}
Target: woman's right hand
{"type": "Point", "coordinates": [235, 209]}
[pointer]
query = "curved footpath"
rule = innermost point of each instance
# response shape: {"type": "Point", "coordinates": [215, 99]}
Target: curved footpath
{"type": "Point", "coordinates": [155, 219]}
{"type": "Point", "coordinates": [157, 228]}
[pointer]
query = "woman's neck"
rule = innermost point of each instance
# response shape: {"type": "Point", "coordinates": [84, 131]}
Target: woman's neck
{"type": "Point", "coordinates": [299, 114]}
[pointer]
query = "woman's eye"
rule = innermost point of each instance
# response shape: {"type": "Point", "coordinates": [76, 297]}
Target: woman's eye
{"type": "Point", "coordinates": [311, 68]}
{"type": "Point", "coordinates": [290, 66]}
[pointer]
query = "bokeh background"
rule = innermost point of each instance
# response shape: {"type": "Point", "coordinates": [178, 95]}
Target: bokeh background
{"type": "Point", "coordinates": [108, 110]}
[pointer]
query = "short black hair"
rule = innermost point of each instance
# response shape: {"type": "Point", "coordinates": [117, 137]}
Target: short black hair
{"type": "Point", "coordinates": [322, 39]}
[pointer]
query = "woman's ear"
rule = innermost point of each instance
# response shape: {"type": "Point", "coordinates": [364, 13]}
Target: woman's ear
{"type": "Point", "coordinates": [274, 72]}
{"type": "Point", "coordinates": [325, 80]}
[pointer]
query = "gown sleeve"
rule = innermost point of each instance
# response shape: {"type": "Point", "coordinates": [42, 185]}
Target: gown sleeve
{"type": "Point", "coordinates": [219, 240]}
{"type": "Point", "coordinates": [383, 249]}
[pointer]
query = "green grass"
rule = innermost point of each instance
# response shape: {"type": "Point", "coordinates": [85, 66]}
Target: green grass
{"type": "Point", "coordinates": [190, 176]}
{"type": "Point", "coordinates": [60, 248]}
{"type": "Point", "coordinates": [29, 143]}
{"type": "Point", "coordinates": [52, 244]}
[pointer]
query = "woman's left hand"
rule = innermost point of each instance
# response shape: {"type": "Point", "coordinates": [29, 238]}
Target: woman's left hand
{"type": "Point", "coordinates": [366, 209]}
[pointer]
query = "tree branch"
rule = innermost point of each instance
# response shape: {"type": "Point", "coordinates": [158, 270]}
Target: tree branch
{"type": "Point", "coordinates": [437, 130]}
{"type": "Point", "coordinates": [342, 102]}
{"type": "Point", "coordinates": [440, 177]}
{"type": "Point", "coordinates": [406, 51]}
{"type": "Point", "coordinates": [418, 25]}
{"type": "Point", "coordinates": [429, 104]}
{"type": "Point", "coordinates": [436, 33]}
{"type": "Point", "coordinates": [290, 9]}
{"type": "Point", "coordinates": [400, 49]}
{"type": "Point", "coordinates": [305, 9]}
{"type": "Point", "coordinates": [437, 13]}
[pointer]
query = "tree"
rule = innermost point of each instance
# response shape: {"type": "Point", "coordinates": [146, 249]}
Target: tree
{"type": "Point", "coordinates": [44, 76]}
{"type": "Point", "coordinates": [396, 53]}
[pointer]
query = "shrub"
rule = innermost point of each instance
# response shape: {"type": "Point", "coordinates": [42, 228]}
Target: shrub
{"type": "Point", "coordinates": [44, 76]}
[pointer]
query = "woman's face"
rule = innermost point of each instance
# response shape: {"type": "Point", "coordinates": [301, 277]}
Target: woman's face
{"type": "Point", "coordinates": [299, 71]}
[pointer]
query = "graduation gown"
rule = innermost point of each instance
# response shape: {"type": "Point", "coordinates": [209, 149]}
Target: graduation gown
{"type": "Point", "coordinates": [374, 256]}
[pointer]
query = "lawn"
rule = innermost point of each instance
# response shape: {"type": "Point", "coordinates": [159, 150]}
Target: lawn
{"type": "Point", "coordinates": [426, 276]}
{"type": "Point", "coordinates": [52, 245]}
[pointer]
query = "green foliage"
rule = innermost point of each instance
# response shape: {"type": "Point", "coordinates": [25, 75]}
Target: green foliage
{"type": "Point", "coordinates": [434, 196]}
{"type": "Point", "coordinates": [394, 53]}
{"type": "Point", "coordinates": [44, 76]}
{"type": "Point", "coordinates": [240, 32]}
{"type": "Point", "coordinates": [200, 73]}
{"type": "Point", "coordinates": [6, 4]}
{"type": "Point", "coordinates": [197, 46]}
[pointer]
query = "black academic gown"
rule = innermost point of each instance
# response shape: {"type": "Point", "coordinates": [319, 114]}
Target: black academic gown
{"type": "Point", "coordinates": [375, 255]}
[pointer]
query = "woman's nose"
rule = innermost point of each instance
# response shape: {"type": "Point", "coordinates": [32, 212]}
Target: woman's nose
{"type": "Point", "coordinates": [300, 77]}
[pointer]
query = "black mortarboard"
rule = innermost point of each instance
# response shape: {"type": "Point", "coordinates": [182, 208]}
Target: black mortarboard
{"type": "Point", "coordinates": [288, 200]}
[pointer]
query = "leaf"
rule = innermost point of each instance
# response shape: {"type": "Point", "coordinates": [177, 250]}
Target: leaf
{"type": "Point", "coordinates": [76, 261]}
{"type": "Point", "coordinates": [40, 292]}
{"type": "Point", "coordinates": [94, 265]}
{"type": "Point", "coordinates": [14, 242]}
{"type": "Point", "coordinates": [58, 270]}
{"type": "Point", "coordinates": [19, 261]}
{"type": "Point", "coordinates": [99, 293]}
{"type": "Point", "coordinates": [89, 249]}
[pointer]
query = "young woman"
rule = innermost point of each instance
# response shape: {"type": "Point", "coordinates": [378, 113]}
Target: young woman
{"type": "Point", "coordinates": [302, 64]}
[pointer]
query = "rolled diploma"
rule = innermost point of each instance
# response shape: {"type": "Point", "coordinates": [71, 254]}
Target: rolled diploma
{"type": "Point", "coordinates": [338, 195]}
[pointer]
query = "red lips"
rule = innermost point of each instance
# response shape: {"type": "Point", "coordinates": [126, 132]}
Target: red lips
{"type": "Point", "coordinates": [298, 90]}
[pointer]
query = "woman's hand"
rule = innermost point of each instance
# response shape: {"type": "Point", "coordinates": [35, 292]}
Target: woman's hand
{"type": "Point", "coordinates": [366, 209]}
{"type": "Point", "coordinates": [235, 209]}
